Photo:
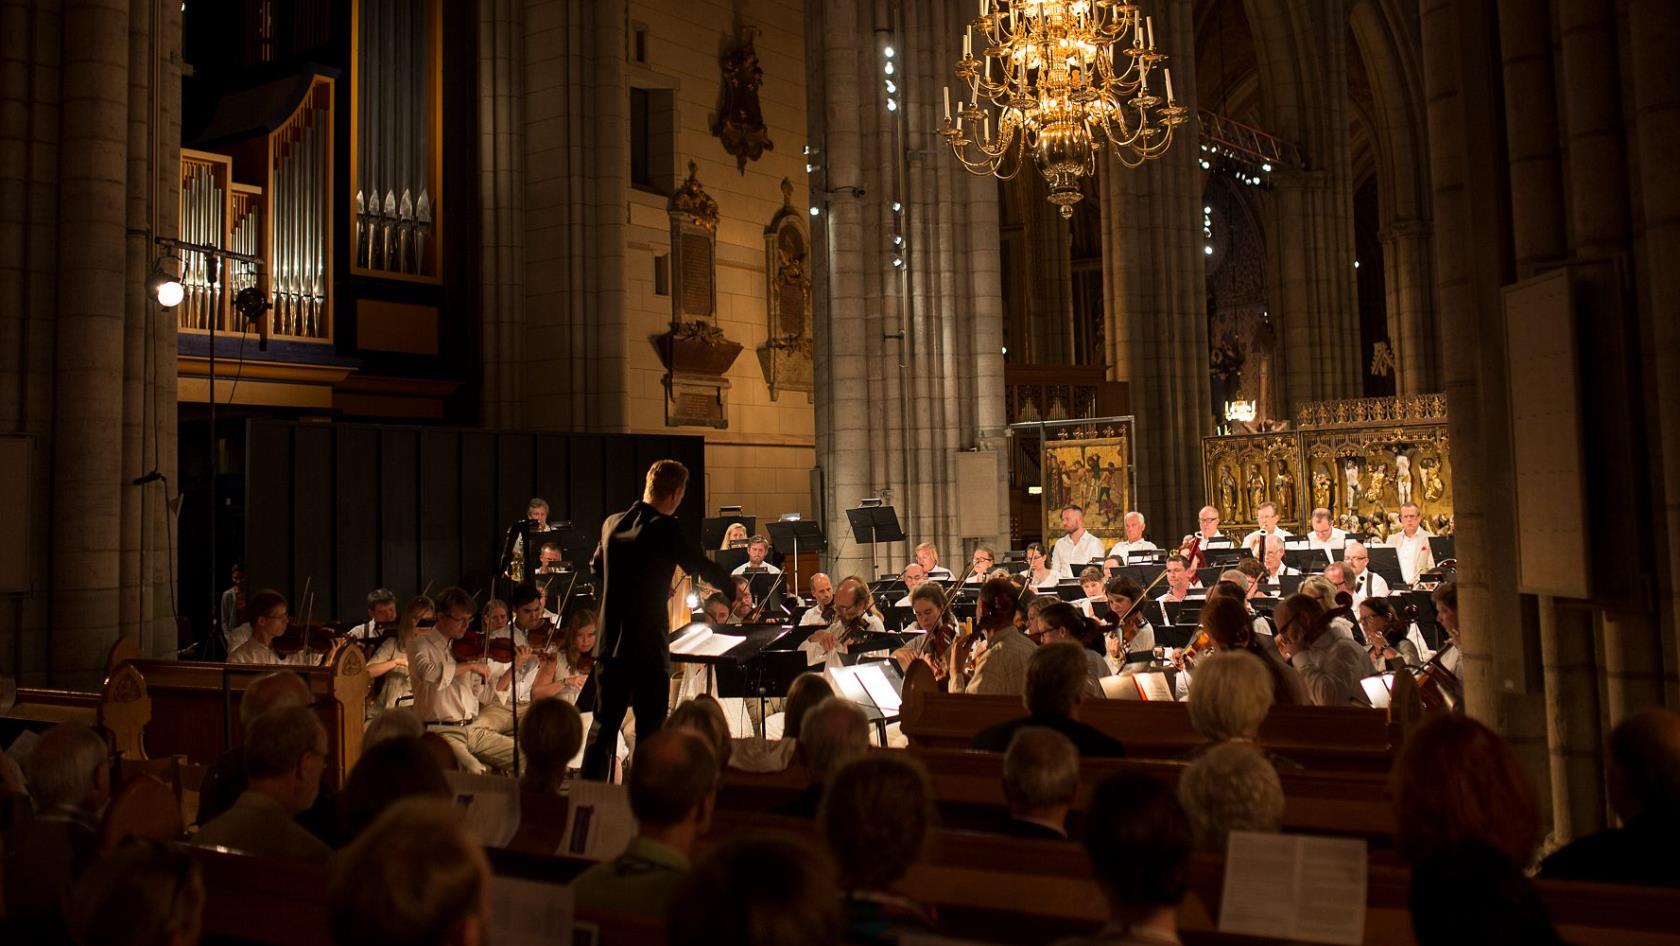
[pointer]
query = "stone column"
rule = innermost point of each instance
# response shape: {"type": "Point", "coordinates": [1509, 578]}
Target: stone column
{"type": "Point", "coordinates": [1155, 297]}
{"type": "Point", "coordinates": [501, 197]}
{"type": "Point", "coordinates": [1410, 303]}
{"type": "Point", "coordinates": [87, 460]}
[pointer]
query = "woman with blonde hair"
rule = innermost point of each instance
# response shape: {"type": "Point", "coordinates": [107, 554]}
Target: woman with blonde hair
{"type": "Point", "coordinates": [389, 662]}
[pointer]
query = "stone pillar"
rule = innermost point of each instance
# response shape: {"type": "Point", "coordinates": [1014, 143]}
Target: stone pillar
{"type": "Point", "coordinates": [1155, 297]}
{"type": "Point", "coordinates": [87, 460]}
{"type": "Point", "coordinates": [501, 197]}
{"type": "Point", "coordinates": [1411, 307]}
{"type": "Point", "coordinates": [1531, 134]}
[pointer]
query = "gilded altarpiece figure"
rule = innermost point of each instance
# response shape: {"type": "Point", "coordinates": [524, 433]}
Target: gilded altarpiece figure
{"type": "Point", "coordinates": [695, 352]}
{"type": "Point", "coordinates": [1361, 459]}
{"type": "Point", "coordinates": [785, 355]}
{"type": "Point", "coordinates": [1088, 464]}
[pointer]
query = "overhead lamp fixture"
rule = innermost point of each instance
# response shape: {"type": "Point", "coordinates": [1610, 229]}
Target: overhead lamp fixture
{"type": "Point", "coordinates": [164, 286]}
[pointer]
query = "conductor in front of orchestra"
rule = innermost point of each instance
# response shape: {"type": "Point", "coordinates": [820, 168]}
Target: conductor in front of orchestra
{"type": "Point", "coordinates": [640, 549]}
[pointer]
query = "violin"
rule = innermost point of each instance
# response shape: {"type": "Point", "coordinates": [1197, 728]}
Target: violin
{"type": "Point", "coordinates": [306, 635]}
{"type": "Point", "coordinates": [1202, 643]}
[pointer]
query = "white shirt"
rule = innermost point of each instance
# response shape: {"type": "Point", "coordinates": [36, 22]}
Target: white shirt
{"type": "Point", "coordinates": [1252, 540]}
{"type": "Point", "coordinates": [440, 695]}
{"type": "Point", "coordinates": [1338, 538]}
{"type": "Point", "coordinates": [1413, 550]}
{"type": "Point", "coordinates": [1050, 579]}
{"type": "Point", "coordinates": [764, 568]}
{"type": "Point", "coordinates": [812, 615]}
{"type": "Point", "coordinates": [1272, 579]}
{"type": "Point", "coordinates": [1066, 551]}
{"type": "Point", "coordinates": [1143, 642]}
{"type": "Point", "coordinates": [1123, 548]}
{"type": "Point", "coordinates": [1218, 540]}
{"type": "Point", "coordinates": [527, 674]}
{"type": "Point", "coordinates": [815, 653]}
{"type": "Point", "coordinates": [254, 651]}
{"type": "Point", "coordinates": [1369, 585]}
{"type": "Point", "coordinates": [940, 572]}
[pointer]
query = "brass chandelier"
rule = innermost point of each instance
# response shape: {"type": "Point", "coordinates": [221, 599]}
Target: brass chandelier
{"type": "Point", "coordinates": [1062, 76]}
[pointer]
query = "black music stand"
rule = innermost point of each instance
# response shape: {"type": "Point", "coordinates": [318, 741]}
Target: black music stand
{"type": "Point", "coordinates": [872, 525]}
{"type": "Point", "coordinates": [791, 531]}
{"type": "Point", "coordinates": [1443, 547]}
{"type": "Point", "coordinates": [712, 529]}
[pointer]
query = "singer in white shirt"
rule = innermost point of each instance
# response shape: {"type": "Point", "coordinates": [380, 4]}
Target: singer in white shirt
{"type": "Point", "coordinates": [1077, 547]}
{"type": "Point", "coordinates": [1134, 540]}
{"type": "Point", "coordinates": [1412, 544]}
{"type": "Point", "coordinates": [1365, 583]}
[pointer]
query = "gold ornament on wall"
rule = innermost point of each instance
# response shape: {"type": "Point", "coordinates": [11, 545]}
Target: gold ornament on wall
{"type": "Point", "coordinates": [740, 123]}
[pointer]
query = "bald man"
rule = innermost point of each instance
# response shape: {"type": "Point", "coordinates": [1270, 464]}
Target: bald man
{"type": "Point", "coordinates": [822, 602]}
{"type": "Point", "coordinates": [1365, 583]}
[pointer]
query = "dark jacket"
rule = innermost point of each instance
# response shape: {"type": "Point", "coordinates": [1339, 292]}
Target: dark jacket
{"type": "Point", "coordinates": [1639, 852]}
{"type": "Point", "coordinates": [1090, 741]}
{"type": "Point", "coordinates": [640, 549]}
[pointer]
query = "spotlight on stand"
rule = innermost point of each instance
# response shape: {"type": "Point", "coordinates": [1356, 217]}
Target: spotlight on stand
{"type": "Point", "coordinates": [251, 303]}
{"type": "Point", "coordinates": [164, 286]}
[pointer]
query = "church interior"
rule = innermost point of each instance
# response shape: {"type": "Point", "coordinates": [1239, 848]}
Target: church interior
{"type": "Point", "coordinates": [839, 471]}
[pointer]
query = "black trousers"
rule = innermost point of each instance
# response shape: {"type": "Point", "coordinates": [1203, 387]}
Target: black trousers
{"type": "Point", "coordinates": [642, 683]}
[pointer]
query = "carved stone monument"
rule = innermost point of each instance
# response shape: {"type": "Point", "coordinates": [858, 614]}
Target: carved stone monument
{"type": "Point", "coordinates": [785, 355]}
{"type": "Point", "coordinates": [695, 352]}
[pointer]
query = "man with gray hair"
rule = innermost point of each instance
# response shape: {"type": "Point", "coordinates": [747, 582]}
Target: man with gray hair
{"type": "Point", "coordinates": [69, 777]}
{"type": "Point", "coordinates": [1134, 541]}
{"type": "Point", "coordinates": [1056, 677]}
{"type": "Point", "coordinates": [833, 733]}
{"type": "Point", "coordinates": [1040, 779]}
{"type": "Point", "coordinates": [225, 781]}
{"type": "Point", "coordinates": [285, 754]}
{"type": "Point", "coordinates": [1231, 787]}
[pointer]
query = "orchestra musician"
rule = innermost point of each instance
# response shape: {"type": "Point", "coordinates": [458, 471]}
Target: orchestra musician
{"type": "Point", "coordinates": [270, 616]}
{"type": "Point", "coordinates": [927, 556]}
{"type": "Point", "coordinates": [913, 576]}
{"type": "Point", "coordinates": [233, 606]}
{"type": "Point", "coordinates": [448, 693]}
{"type": "Point", "coordinates": [1207, 536]}
{"type": "Point", "coordinates": [536, 514]}
{"type": "Point", "coordinates": [1336, 574]}
{"type": "Point", "coordinates": [1388, 640]}
{"type": "Point", "coordinates": [1331, 664]}
{"type": "Point", "coordinates": [1412, 544]}
{"type": "Point", "coordinates": [1324, 536]}
{"type": "Point", "coordinates": [1134, 541]}
{"type": "Point", "coordinates": [1136, 635]}
{"type": "Point", "coordinates": [570, 660]}
{"type": "Point", "coordinates": [1365, 583]}
{"type": "Point", "coordinates": [639, 551]}
{"type": "Point", "coordinates": [1267, 516]}
{"type": "Point", "coordinates": [938, 629]}
{"type": "Point", "coordinates": [529, 617]}
{"type": "Point", "coordinates": [737, 532]}
{"type": "Point", "coordinates": [980, 566]}
{"type": "Point", "coordinates": [494, 616]}
{"type": "Point", "coordinates": [1178, 579]}
{"type": "Point", "coordinates": [1091, 582]}
{"type": "Point", "coordinates": [757, 548]}
{"type": "Point", "coordinates": [389, 661]}
{"type": "Point", "coordinates": [1076, 546]}
{"type": "Point", "coordinates": [821, 610]}
{"type": "Point", "coordinates": [744, 606]}
{"type": "Point", "coordinates": [1061, 621]}
{"type": "Point", "coordinates": [717, 609]}
{"type": "Point", "coordinates": [853, 617]}
{"type": "Point", "coordinates": [1111, 566]}
{"type": "Point", "coordinates": [1001, 667]}
{"type": "Point", "coordinates": [1040, 573]}
{"type": "Point", "coordinates": [1273, 561]}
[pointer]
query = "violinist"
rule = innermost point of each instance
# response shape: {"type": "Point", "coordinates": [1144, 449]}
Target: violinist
{"type": "Point", "coordinates": [381, 612]}
{"type": "Point", "coordinates": [1040, 572]}
{"type": "Point", "coordinates": [938, 629]}
{"type": "Point", "coordinates": [742, 610]}
{"type": "Point", "coordinates": [717, 609]}
{"type": "Point", "coordinates": [854, 617]}
{"type": "Point", "coordinates": [530, 621]}
{"type": "Point", "coordinates": [1387, 640]}
{"type": "Point", "coordinates": [1061, 621]}
{"type": "Point", "coordinates": [1438, 680]}
{"type": "Point", "coordinates": [1091, 582]}
{"type": "Point", "coordinates": [1135, 636]}
{"type": "Point", "coordinates": [1179, 576]}
{"type": "Point", "coordinates": [1227, 625]}
{"type": "Point", "coordinates": [822, 601]}
{"type": "Point", "coordinates": [980, 566]}
{"type": "Point", "coordinates": [494, 617]}
{"type": "Point", "coordinates": [389, 663]}
{"type": "Point", "coordinates": [1445, 598]}
{"type": "Point", "coordinates": [447, 692]}
{"type": "Point", "coordinates": [1000, 669]}
{"type": "Point", "coordinates": [270, 617]}
{"type": "Point", "coordinates": [565, 673]}
{"type": "Point", "coordinates": [1331, 664]}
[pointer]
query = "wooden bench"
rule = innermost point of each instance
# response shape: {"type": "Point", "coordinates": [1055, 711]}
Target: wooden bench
{"type": "Point", "coordinates": [122, 708]}
{"type": "Point", "coordinates": [1319, 737]}
{"type": "Point", "coordinates": [969, 787]}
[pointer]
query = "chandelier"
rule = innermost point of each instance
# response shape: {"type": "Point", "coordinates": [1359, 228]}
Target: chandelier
{"type": "Point", "coordinates": [1061, 76]}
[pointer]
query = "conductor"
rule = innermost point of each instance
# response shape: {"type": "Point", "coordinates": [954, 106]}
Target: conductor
{"type": "Point", "coordinates": [639, 550]}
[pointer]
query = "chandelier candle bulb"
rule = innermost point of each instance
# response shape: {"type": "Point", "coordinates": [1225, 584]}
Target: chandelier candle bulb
{"type": "Point", "coordinates": [1149, 22]}
{"type": "Point", "coordinates": [947, 105]}
{"type": "Point", "coordinates": [1168, 74]}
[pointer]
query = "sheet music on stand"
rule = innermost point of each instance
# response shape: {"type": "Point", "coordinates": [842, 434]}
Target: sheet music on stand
{"type": "Point", "coordinates": [877, 687]}
{"type": "Point", "coordinates": [701, 641]}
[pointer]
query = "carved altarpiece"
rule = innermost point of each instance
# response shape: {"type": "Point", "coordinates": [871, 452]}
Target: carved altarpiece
{"type": "Point", "coordinates": [695, 352]}
{"type": "Point", "coordinates": [785, 355]}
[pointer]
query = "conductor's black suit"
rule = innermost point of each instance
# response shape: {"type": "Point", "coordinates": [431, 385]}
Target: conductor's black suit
{"type": "Point", "coordinates": [640, 549]}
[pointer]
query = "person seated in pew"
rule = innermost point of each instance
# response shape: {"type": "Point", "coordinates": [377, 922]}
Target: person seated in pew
{"type": "Point", "coordinates": [927, 556]}
{"type": "Point", "coordinates": [821, 610]}
{"type": "Point", "coordinates": [417, 875]}
{"type": "Point", "coordinates": [673, 787]}
{"type": "Point", "coordinates": [1231, 696]}
{"type": "Point", "coordinates": [48, 850]}
{"type": "Point", "coordinates": [1456, 782]}
{"type": "Point", "coordinates": [1056, 681]}
{"type": "Point", "coordinates": [757, 891]}
{"type": "Point", "coordinates": [448, 693]}
{"type": "Point", "coordinates": [875, 818]}
{"type": "Point", "coordinates": [1230, 787]}
{"type": "Point", "coordinates": [703, 715]}
{"type": "Point", "coordinates": [389, 663]}
{"type": "Point", "coordinates": [1472, 895]}
{"type": "Point", "coordinates": [757, 548]}
{"type": "Point", "coordinates": [381, 609]}
{"type": "Point", "coordinates": [1645, 794]}
{"type": "Point", "coordinates": [141, 893]}
{"type": "Point", "coordinates": [1001, 668]}
{"type": "Point", "coordinates": [1331, 664]}
{"type": "Point", "coordinates": [401, 723]}
{"type": "Point", "coordinates": [765, 754]}
{"type": "Point", "coordinates": [833, 733]}
{"type": "Point", "coordinates": [285, 754]}
{"type": "Point", "coordinates": [1060, 621]}
{"type": "Point", "coordinates": [225, 781]}
{"type": "Point", "coordinates": [550, 736]}
{"type": "Point", "coordinates": [1138, 839]}
{"type": "Point", "coordinates": [269, 618]}
{"type": "Point", "coordinates": [393, 770]}
{"type": "Point", "coordinates": [1040, 780]}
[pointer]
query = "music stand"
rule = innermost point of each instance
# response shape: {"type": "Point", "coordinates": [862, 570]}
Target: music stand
{"type": "Point", "coordinates": [791, 530]}
{"type": "Point", "coordinates": [1442, 547]}
{"type": "Point", "coordinates": [712, 529]}
{"type": "Point", "coordinates": [873, 524]}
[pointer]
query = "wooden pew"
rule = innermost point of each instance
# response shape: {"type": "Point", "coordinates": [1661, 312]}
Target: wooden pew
{"type": "Point", "coordinates": [195, 706]}
{"type": "Point", "coordinates": [969, 787]}
{"type": "Point", "coordinates": [1319, 737]}
{"type": "Point", "coordinates": [122, 707]}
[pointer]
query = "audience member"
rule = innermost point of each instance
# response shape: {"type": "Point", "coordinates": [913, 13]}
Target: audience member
{"type": "Point", "coordinates": [142, 893]}
{"type": "Point", "coordinates": [1040, 780]}
{"type": "Point", "coordinates": [285, 753]}
{"type": "Point", "coordinates": [225, 781]}
{"type": "Point", "coordinates": [757, 754]}
{"type": "Point", "coordinates": [1056, 678]}
{"type": "Point", "coordinates": [673, 782]}
{"type": "Point", "coordinates": [757, 892]}
{"type": "Point", "coordinates": [704, 715]}
{"type": "Point", "coordinates": [550, 735]}
{"type": "Point", "coordinates": [876, 816]}
{"type": "Point", "coordinates": [1472, 895]}
{"type": "Point", "coordinates": [1138, 839]}
{"type": "Point", "coordinates": [1331, 664]}
{"type": "Point", "coordinates": [390, 771]}
{"type": "Point", "coordinates": [402, 723]}
{"type": "Point", "coordinates": [1645, 793]}
{"type": "Point", "coordinates": [833, 733]}
{"type": "Point", "coordinates": [1456, 782]}
{"type": "Point", "coordinates": [69, 779]}
{"type": "Point", "coordinates": [415, 877]}
{"type": "Point", "coordinates": [1231, 787]}
{"type": "Point", "coordinates": [1231, 697]}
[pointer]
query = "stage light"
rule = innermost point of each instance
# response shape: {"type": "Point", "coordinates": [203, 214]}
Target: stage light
{"type": "Point", "coordinates": [164, 286]}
